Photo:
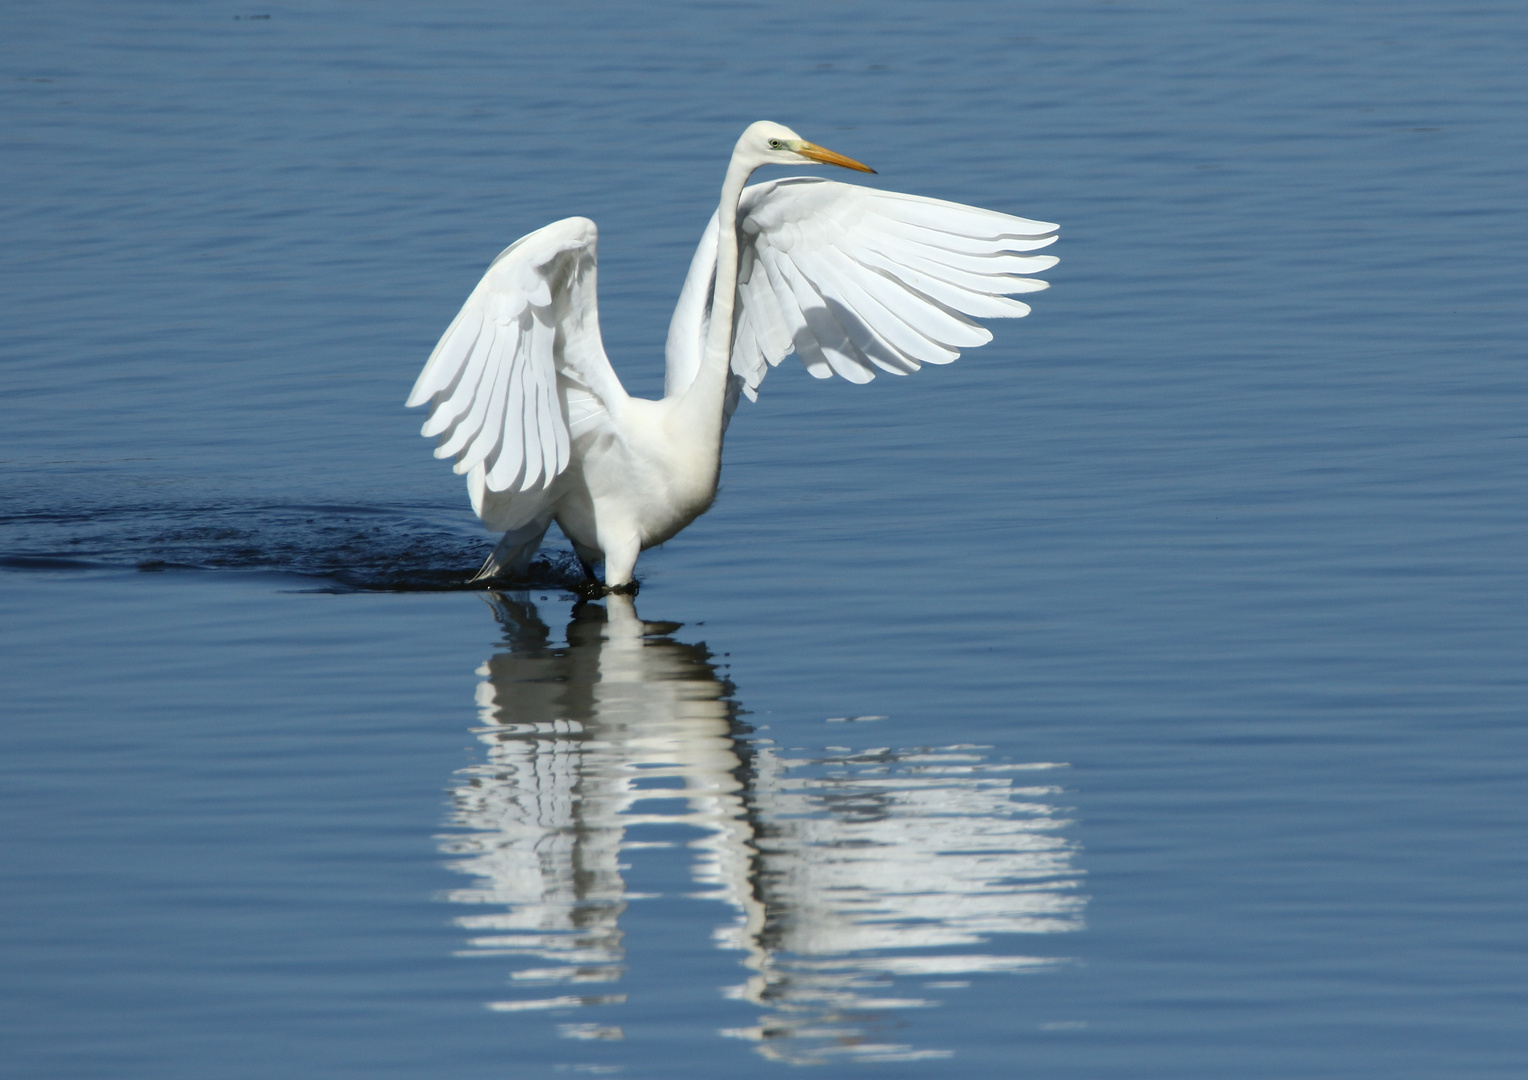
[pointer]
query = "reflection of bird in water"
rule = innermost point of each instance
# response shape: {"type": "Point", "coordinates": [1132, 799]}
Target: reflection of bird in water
{"type": "Point", "coordinates": [845, 871]}
{"type": "Point", "coordinates": [852, 279]}
{"type": "Point", "coordinates": [578, 736]}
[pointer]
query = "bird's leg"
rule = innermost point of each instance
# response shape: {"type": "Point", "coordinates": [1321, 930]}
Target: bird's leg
{"type": "Point", "coordinates": [511, 559]}
{"type": "Point", "coordinates": [620, 560]}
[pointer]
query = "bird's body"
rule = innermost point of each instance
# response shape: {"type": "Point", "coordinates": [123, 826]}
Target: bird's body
{"type": "Point", "coordinates": [851, 278]}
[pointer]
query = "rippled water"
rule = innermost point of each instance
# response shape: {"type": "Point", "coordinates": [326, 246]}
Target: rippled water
{"type": "Point", "coordinates": [1141, 695]}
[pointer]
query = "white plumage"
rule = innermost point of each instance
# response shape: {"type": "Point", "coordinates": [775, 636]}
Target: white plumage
{"type": "Point", "coordinates": [852, 279]}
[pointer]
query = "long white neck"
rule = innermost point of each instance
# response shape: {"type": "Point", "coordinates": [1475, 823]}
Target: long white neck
{"type": "Point", "coordinates": [699, 411]}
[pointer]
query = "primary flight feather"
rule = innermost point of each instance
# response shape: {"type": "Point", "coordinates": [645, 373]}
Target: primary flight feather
{"type": "Point", "coordinates": [853, 280]}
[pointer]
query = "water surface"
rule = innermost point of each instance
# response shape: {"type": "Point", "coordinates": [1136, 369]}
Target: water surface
{"type": "Point", "coordinates": [1141, 695]}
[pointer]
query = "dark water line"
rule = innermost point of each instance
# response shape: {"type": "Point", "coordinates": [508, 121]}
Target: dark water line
{"type": "Point", "coordinates": [351, 548]}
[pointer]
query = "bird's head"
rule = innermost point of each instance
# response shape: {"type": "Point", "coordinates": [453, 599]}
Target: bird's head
{"type": "Point", "coordinates": [765, 143]}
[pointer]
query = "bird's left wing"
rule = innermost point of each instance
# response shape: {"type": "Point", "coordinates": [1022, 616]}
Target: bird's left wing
{"type": "Point", "coordinates": [520, 364]}
{"type": "Point", "coordinates": [856, 280]}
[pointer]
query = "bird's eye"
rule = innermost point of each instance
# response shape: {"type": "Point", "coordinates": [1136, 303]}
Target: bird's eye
{"type": "Point", "coordinates": [776, 144]}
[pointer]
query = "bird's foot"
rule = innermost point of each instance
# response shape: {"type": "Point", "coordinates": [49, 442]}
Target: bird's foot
{"type": "Point", "coordinates": [592, 589]}
{"type": "Point", "coordinates": [589, 589]}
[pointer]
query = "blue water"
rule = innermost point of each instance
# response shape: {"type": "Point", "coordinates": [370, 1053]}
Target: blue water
{"type": "Point", "coordinates": [1142, 695]}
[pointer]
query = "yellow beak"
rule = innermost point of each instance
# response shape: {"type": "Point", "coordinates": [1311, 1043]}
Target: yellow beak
{"type": "Point", "coordinates": [828, 157]}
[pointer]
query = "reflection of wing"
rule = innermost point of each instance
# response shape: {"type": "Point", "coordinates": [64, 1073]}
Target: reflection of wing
{"type": "Point", "coordinates": [520, 363]}
{"type": "Point", "coordinates": [856, 280]}
{"type": "Point", "coordinates": [889, 851]}
{"type": "Point", "coordinates": [522, 814]}
{"type": "Point", "coordinates": [937, 858]}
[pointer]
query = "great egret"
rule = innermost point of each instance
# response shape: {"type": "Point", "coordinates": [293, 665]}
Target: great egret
{"type": "Point", "coordinates": [850, 278]}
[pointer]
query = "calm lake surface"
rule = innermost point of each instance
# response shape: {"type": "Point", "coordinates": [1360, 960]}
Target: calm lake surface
{"type": "Point", "coordinates": [1142, 695]}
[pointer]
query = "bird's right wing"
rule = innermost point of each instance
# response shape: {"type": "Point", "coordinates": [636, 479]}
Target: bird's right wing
{"type": "Point", "coordinates": [521, 368]}
{"type": "Point", "coordinates": [855, 279]}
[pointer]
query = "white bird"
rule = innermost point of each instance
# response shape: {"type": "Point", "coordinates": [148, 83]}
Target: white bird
{"type": "Point", "coordinates": [852, 279]}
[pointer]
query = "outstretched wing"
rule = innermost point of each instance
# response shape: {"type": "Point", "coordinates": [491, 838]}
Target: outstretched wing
{"type": "Point", "coordinates": [856, 280]}
{"type": "Point", "coordinates": [521, 364]}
